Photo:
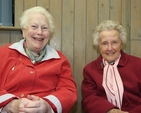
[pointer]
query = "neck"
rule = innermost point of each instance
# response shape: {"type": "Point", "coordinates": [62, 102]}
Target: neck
{"type": "Point", "coordinates": [35, 53]}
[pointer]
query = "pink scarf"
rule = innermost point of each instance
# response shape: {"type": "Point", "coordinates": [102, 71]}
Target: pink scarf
{"type": "Point", "coordinates": [112, 83]}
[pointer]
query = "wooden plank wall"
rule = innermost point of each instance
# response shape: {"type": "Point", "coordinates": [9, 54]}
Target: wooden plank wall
{"type": "Point", "coordinates": [135, 34]}
{"type": "Point", "coordinates": [75, 21]}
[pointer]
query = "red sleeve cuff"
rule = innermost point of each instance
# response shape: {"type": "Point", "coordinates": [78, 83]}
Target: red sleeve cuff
{"type": "Point", "coordinates": [51, 104]}
{"type": "Point", "coordinates": [6, 102]}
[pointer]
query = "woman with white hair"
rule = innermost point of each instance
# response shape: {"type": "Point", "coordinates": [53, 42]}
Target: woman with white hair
{"type": "Point", "coordinates": [34, 77]}
{"type": "Point", "coordinates": [112, 82]}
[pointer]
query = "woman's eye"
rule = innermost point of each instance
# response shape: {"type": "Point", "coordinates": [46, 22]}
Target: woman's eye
{"type": "Point", "coordinates": [33, 26]}
{"type": "Point", "coordinates": [115, 42]}
{"type": "Point", "coordinates": [104, 43]}
{"type": "Point", "coordinates": [45, 28]}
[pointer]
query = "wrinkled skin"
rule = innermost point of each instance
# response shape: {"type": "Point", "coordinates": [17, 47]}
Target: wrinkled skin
{"type": "Point", "coordinates": [31, 104]}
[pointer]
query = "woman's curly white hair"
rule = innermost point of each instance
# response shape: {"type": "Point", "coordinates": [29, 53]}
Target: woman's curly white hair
{"type": "Point", "coordinates": [109, 25]}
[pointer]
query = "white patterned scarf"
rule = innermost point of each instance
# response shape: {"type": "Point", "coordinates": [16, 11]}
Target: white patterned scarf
{"type": "Point", "coordinates": [112, 83]}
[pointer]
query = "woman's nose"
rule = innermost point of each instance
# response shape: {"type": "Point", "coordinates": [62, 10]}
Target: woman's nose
{"type": "Point", "coordinates": [39, 30]}
{"type": "Point", "coordinates": [109, 46]}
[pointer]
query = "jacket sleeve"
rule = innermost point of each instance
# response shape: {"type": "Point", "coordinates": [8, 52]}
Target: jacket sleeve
{"type": "Point", "coordinates": [5, 97]}
{"type": "Point", "coordinates": [66, 92]}
{"type": "Point", "coordinates": [137, 109]}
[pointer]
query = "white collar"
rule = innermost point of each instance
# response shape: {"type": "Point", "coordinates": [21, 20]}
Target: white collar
{"type": "Point", "coordinates": [50, 53]}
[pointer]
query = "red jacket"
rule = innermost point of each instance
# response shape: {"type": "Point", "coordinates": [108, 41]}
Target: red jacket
{"type": "Point", "coordinates": [93, 95]}
{"type": "Point", "coordinates": [19, 78]}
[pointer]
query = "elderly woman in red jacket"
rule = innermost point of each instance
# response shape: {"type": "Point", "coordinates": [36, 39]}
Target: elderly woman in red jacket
{"type": "Point", "coordinates": [34, 77]}
{"type": "Point", "coordinates": [112, 82]}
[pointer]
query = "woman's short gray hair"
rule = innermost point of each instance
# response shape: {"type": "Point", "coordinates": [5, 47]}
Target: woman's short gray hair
{"type": "Point", "coordinates": [37, 9]}
{"type": "Point", "coordinates": [109, 25]}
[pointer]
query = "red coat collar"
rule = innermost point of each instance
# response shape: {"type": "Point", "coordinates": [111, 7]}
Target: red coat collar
{"type": "Point", "coordinates": [122, 62]}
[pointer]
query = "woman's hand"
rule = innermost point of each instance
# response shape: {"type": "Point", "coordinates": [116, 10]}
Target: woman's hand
{"type": "Point", "coordinates": [13, 106]}
{"type": "Point", "coordinates": [116, 111]}
{"type": "Point", "coordinates": [35, 105]}
{"type": "Point", "coordinates": [31, 104]}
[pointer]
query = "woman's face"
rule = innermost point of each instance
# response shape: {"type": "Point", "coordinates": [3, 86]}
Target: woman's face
{"type": "Point", "coordinates": [37, 32]}
{"type": "Point", "coordinates": [110, 45]}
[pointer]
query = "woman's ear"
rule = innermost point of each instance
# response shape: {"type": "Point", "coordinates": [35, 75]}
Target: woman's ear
{"type": "Point", "coordinates": [23, 32]}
